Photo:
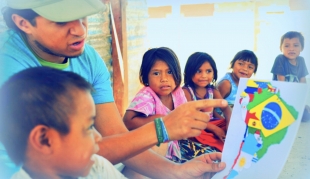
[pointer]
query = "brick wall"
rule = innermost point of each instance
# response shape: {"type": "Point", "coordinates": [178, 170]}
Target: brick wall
{"type": "Point", "coordinates": [134, 42]}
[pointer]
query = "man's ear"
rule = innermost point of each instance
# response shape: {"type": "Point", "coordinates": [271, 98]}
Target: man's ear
{"type": "Point", "coordinates": [40, 139]}
{"type": "Point", "coordinates": [22, 23]}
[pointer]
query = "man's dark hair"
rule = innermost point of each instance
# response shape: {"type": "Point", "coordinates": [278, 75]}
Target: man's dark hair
{"type": "Point", "coordinates": [36, 96]}
{"type": "Point", "coordinates": [28, 14]}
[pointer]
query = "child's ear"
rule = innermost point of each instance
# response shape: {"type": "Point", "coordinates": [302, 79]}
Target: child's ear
{"type": "Point", "coordinates": [40, 140]}
{"type": "Point", "coordinates": [22, 23]}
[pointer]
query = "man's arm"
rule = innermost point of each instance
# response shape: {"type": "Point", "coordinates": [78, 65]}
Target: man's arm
{"type": "Point", "coordinates": [126, 144]}
{"type": "Point", "coordinates": [120, 147]}
{"type": "Point", "coordinates": [133, 119]}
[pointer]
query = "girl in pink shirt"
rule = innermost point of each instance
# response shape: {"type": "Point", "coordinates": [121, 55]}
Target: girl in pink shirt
{"type": "Point", "coordinates": [160, 73]}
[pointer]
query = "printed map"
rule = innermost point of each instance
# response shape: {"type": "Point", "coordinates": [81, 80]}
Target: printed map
{"type": "Point", "coordinates": [266, 118]}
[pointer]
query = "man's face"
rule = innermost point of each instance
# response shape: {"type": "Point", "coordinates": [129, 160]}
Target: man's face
{"type": "Point", "coordinates": [60, 39]}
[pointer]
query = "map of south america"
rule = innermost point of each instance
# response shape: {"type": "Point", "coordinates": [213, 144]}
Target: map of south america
{"type": "Point", "coordinates": [267, 117]}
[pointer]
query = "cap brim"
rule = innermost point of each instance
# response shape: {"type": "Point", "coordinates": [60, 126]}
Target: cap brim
{"type": "Point", "coordinates": [69, 10]}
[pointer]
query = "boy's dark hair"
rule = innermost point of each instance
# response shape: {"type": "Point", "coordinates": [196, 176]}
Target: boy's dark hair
{"type": "Point", "coordinates": [36, 96]}
{"type": "Point", "coordinates": [28, 14]}
{"type": "Point", "coordinates": [293, 34]}
{"type": "Point", "coordinates": [245, 55]}
{"type": "Point", "coordinates": [193, 64]}
{"type": "Point", "coordinates": [165, 54]}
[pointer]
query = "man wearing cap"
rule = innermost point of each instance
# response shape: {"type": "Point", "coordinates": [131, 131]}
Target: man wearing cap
{"type": "Point", "coordinates": [52, 33]}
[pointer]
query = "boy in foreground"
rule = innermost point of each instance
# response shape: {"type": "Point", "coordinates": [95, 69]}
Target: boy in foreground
{"type": "Point", "coordinates": [47, 125]}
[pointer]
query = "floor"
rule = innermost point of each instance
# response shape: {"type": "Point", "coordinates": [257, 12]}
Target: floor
{"type": "Point", "coordinates": [298, 164]}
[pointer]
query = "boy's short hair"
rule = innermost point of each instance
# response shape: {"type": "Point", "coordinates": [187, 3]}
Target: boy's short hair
{"type": "Point", "coordinates": [165, 54]}
{"type": "Point", "coordinates": [245, 55]}
{"type": "Point", "coordinates": [36, 96]}
{"type": "Point", "coordinates": [293, 34]}
{"type": "Point", "coordinates": [194, 62]}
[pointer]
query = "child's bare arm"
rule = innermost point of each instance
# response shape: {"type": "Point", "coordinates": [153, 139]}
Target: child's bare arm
{"type": "Point", "coordinates": [217, 131]}
{"type": "Point", "coordinates": [217, 115]}
{"type": "Point", "coordinates": [227, 113]}
{"type": "Point", "coordinates": [226, 110]}
{"type": "Point", "coordinates": [281, 78]}
{"type": "Point", "coordinates": [187, 95]}
{"type": "Point", "coordinates": [224, 88]}
{"type": "Point", "coordinates": [133, 119]}
{"type": "Point", "coordinates": [303, 80]}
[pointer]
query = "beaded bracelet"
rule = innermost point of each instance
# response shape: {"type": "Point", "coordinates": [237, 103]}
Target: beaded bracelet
{"type": "Point", "coordinates": [159, 131]}
{"type": "Point", "coordinates": [165, 133]}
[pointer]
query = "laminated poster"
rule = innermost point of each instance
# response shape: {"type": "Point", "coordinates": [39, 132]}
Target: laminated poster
{"type": "Point", "coordinates": [263, 126]}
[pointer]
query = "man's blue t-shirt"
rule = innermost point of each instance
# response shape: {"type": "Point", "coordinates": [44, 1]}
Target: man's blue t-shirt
{"type": "Point", "coordinates": [15, 56]}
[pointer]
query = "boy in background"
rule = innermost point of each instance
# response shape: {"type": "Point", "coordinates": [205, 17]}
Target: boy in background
{"type": "Point", "coordinates": [47, 125]}
{"type": "Point", "coordinates": [289, 66]}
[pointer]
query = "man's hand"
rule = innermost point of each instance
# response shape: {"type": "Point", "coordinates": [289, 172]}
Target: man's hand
{"type": "Point", "coordinates": [187, 120]}
{"type": "Point", "coordinates": [204, 166]}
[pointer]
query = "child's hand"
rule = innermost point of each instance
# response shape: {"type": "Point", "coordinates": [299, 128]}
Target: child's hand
{"type": "Point", "coordinates": [220, 133]}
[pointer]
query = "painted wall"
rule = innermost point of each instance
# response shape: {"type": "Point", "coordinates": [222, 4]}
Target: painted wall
{"type": "Point", "coordinates": [222, 28]}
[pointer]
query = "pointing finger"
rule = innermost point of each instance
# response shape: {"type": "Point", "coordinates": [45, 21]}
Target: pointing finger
{"type": "Point", "coordinates": [206, 103]}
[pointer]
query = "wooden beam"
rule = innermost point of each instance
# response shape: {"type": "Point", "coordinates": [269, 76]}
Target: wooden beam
{"type": "Point", "coordinates": [118, 83]}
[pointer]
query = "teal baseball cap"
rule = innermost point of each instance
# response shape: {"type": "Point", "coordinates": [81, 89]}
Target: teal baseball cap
{"type": "Point", "coordinates": [59, 10]}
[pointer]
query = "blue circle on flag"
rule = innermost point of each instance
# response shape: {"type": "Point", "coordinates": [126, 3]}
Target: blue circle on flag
{"type": "Point", "coordinates": [271, 115]}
